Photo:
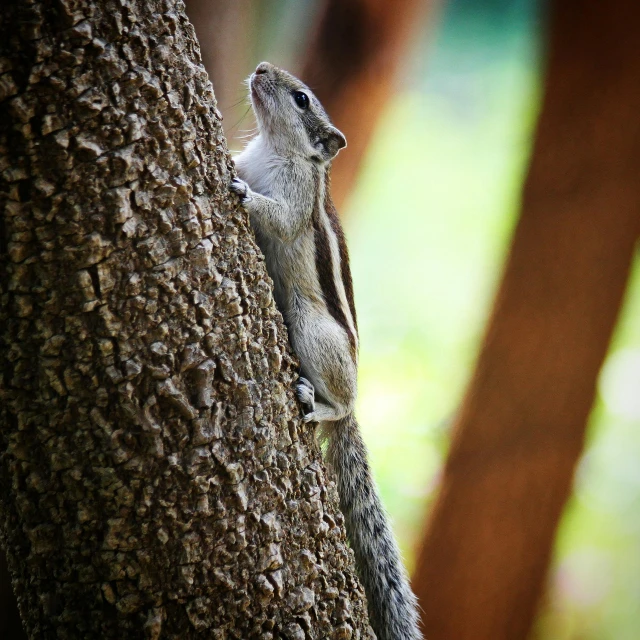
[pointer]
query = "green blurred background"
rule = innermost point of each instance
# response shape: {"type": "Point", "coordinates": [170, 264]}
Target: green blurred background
{"type": "Point", "coordinates": [428, 225]}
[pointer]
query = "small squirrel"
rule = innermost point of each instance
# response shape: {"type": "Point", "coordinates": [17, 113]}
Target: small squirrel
{"type": "Point", "coordinates": [284, 185]}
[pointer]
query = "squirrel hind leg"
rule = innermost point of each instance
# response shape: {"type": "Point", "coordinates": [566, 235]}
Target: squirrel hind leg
{"type": "Point", "coordinates": [318, 410]}
{"type": "Point", "coordinates": [324, 412]}
{"type": "Point", "coordinates": [306, 394]}
{"type": "Point", "coordinates": [328, 409]}
{"type": "Point", "coordinates": [321, 403]}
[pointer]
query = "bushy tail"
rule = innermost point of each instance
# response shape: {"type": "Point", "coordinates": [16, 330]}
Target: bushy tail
{"type": "Point", "coordinates": [392, 605]}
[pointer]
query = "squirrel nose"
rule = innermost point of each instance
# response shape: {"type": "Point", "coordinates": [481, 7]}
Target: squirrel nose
{"type": "Point", "coordinates": [264, 67]}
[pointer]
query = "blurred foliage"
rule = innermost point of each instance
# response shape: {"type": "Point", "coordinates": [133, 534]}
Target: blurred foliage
{"type": "Point", "coordinates": [595, 583]}
{"type": "Point", "coordinates": [429, 225]}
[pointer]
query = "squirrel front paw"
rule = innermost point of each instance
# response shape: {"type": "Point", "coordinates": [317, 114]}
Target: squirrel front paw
{"type": "Point", "coordinates": [306, 394]}
{"type": "Point", "coordinates": [240, 188]}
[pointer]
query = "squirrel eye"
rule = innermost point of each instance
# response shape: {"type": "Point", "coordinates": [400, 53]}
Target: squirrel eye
{"type": "Point", "coordinates": [302, 99]}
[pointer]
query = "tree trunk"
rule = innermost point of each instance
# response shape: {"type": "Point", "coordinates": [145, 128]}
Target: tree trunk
{"type": "Point", "coordinates": [521, 427]}
{"type": "Point", "coordinates": [10, 623]}
{"type": "Point", "coordinates": [351, 64]}
{"type": "Point", "coordinates": [155, 477]}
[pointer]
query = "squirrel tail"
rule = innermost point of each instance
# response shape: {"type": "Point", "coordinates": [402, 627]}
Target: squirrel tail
{"type": "Point", "coordinates": [393, 609]}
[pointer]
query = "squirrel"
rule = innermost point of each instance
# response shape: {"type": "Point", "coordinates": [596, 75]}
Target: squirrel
{"type": "Point", "coordinates": [284, 183]}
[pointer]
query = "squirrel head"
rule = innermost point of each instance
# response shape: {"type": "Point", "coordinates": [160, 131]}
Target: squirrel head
{"type": "Point", "coordinates": [290, 117]}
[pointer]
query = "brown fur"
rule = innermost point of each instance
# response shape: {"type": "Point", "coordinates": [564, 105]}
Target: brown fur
{"type": "Point", "coordinates": [324, 266]}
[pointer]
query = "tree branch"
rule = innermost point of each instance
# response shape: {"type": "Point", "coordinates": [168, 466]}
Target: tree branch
{"type": "Point", "coordinates": [352, 64]}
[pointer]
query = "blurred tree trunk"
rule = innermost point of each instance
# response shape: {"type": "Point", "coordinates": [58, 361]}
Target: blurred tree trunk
{"type": "Point", "coordinates": [155, 478]}
{"type": "Point", "coordinates": [225, 31]}
{"type": "Point", "coordinates": [352, 64]}
{"type": "Point", "coordinates": [521, 427]}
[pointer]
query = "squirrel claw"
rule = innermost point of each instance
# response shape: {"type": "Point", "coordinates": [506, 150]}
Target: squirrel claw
{"type": "Point", "coordinates": [240, 188]}
{"type": "Point", "coordinates": [306, 394]}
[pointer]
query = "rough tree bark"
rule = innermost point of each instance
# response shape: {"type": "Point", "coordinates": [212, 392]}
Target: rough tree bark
{"type": "Point", "coordinates": [155, 478]}
{"type": "Point", "coordinates": [352, 64]}
{"type": "Point", "coordinates": [521, 427]}
{"type": "Point", "coordinates": [10, 623]}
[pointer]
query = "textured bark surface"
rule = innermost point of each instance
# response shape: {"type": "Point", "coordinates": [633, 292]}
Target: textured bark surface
{"type": "Point", "coordinates": [352, 64]}
{"type": "Point", "coordinates": [155, 478]}
{"type": "Point", "coordinates": [521, 427]}
{"type": "Point", "coordinates": [10, 623]}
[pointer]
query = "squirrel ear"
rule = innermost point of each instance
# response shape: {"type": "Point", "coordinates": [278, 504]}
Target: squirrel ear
{"type": "Point", "coordinates": [334, 141]}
